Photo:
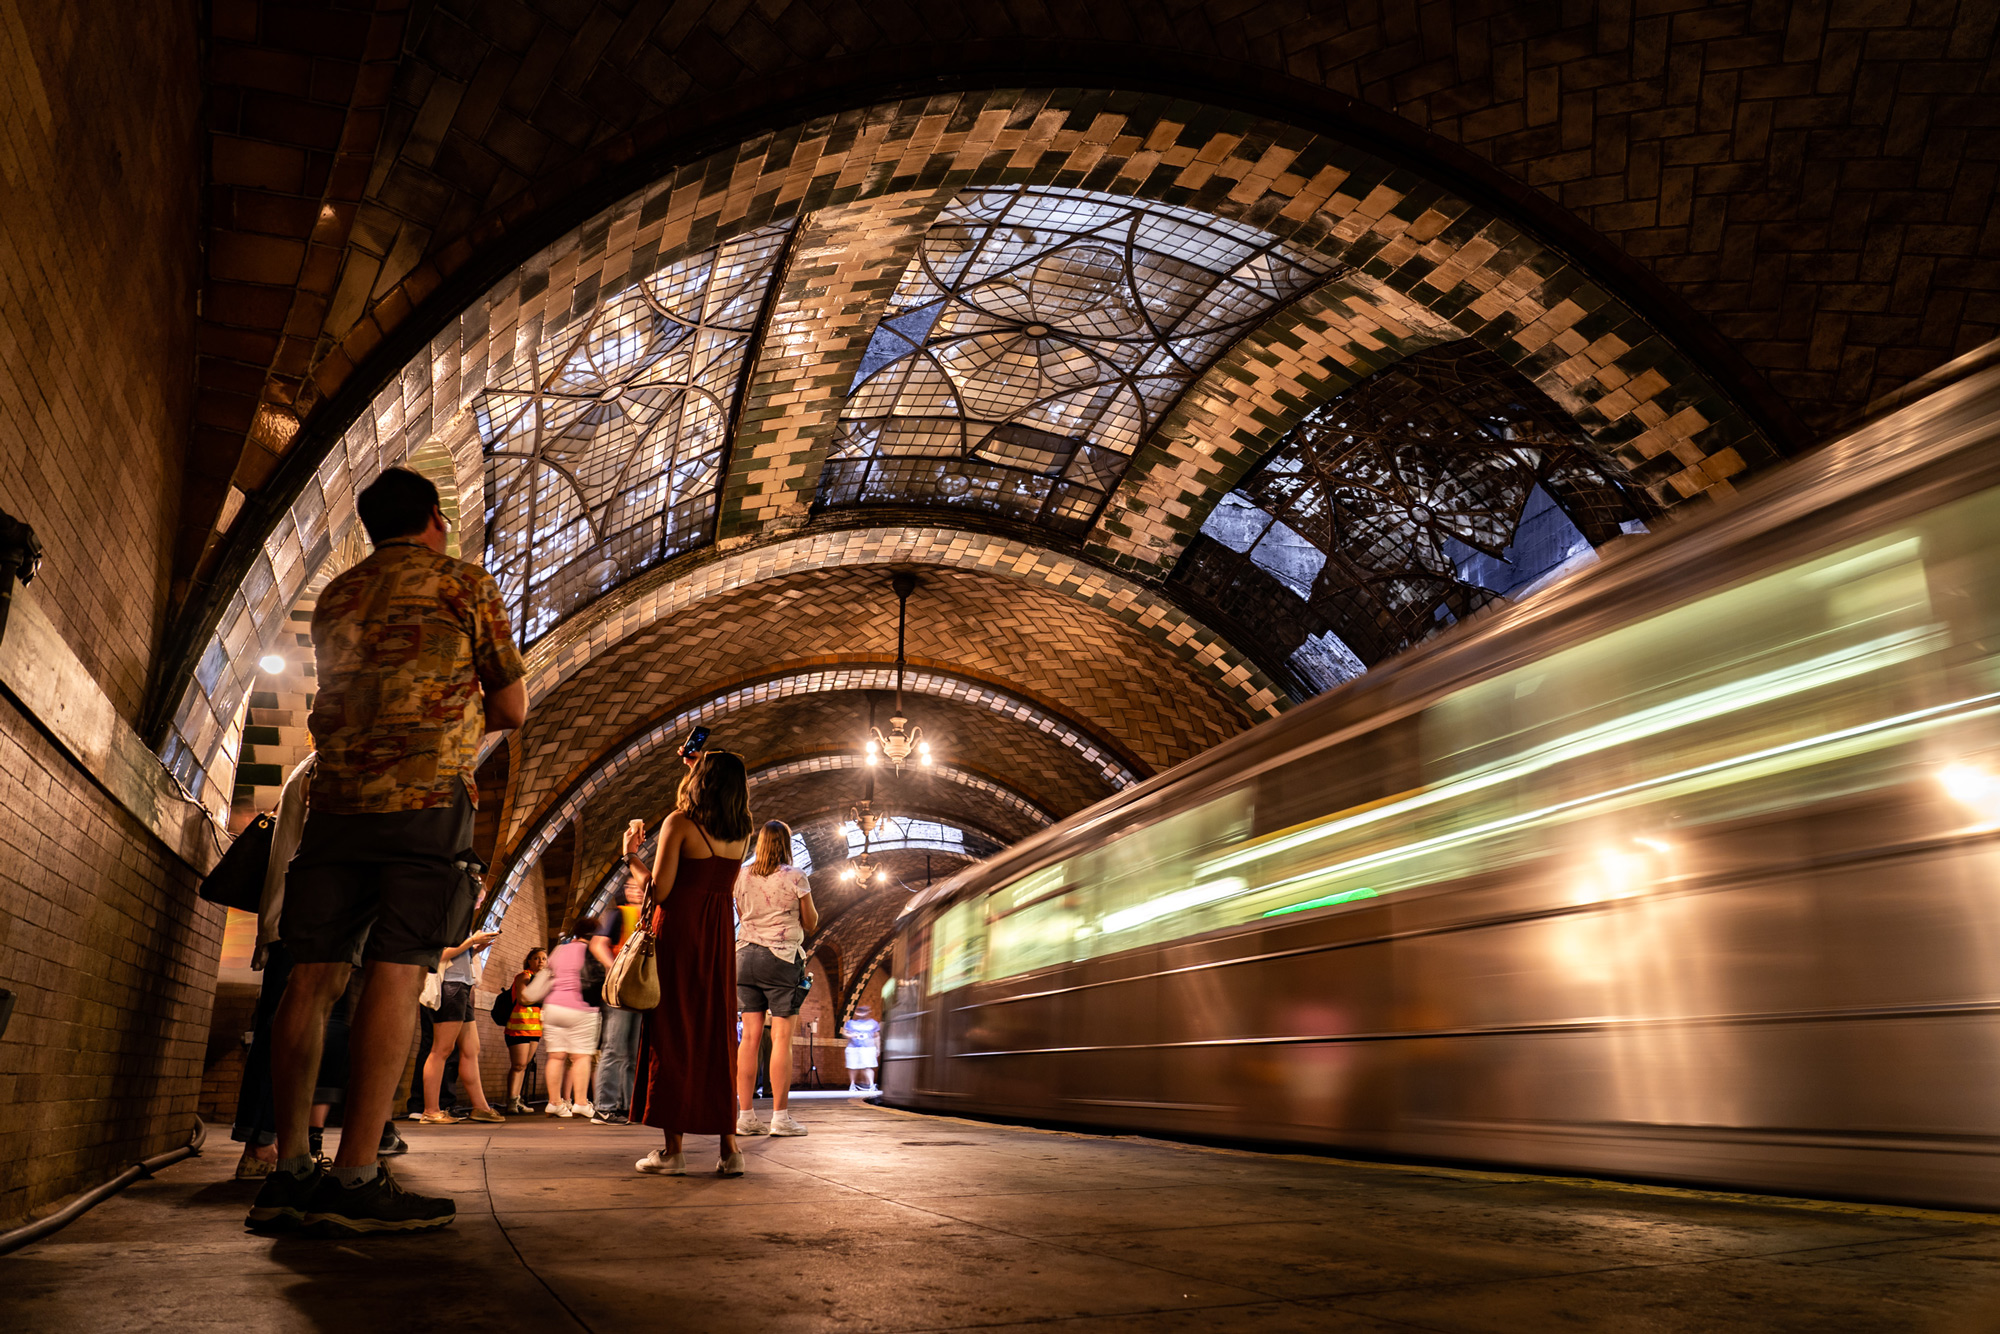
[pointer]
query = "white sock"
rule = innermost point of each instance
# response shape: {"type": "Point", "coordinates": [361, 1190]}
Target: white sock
{"type": "Point", "coordinates": [300, 1167]}
{"type": "Point", "coordinates": [350, 1177]}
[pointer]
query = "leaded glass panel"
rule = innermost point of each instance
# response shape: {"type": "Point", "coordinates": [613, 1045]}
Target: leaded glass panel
{"type": "Point", "coordinates": [1034, 342]}
{"type": "Point", "coordinates": [605, 438]}
{"type": "Point", "coordinates": [1412, 500]}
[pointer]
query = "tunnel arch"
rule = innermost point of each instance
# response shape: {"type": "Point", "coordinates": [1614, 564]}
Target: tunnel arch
{"type": "Point", "coordinates": [1402, 234]}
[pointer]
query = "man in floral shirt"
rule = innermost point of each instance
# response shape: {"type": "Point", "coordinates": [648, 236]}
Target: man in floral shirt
{"type": "Point", "coordinates": [415, 664]}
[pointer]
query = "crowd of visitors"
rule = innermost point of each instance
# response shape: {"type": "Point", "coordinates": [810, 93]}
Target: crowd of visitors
{"type": "Point", "coordinates": [365, 924]}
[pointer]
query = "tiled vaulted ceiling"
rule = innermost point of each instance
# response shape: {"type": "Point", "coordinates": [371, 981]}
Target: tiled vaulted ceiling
{"type": "Point", "coordinates": [480, 226]}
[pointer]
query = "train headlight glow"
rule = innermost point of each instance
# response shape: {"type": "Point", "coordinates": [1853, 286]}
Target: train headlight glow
{"type": "Point", "coordinates": [1973, 786]}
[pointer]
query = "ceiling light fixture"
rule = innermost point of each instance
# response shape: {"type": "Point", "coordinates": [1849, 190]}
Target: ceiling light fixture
{"type": "Point", "coordinates": [271, 663]}
{"type": "Point", "coordinates": [900, 747]}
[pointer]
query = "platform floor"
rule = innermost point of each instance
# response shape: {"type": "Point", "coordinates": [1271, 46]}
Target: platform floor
{"type": "Point", "coordinates": [884, 1220]}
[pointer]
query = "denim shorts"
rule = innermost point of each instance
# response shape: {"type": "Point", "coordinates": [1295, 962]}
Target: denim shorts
{"type": "Point", "coordinates": [766, 983]}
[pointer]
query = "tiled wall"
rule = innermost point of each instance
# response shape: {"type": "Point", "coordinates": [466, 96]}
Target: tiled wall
{"type": "Point", "coordinates": [112, 959]}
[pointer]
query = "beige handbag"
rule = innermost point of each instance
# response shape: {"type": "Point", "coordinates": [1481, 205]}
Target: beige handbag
{"type": "Point", "coordinates": [633, 983]}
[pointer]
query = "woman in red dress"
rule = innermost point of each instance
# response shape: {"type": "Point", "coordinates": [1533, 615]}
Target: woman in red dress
{"type": "Point", "coordinates": [684, 1082]}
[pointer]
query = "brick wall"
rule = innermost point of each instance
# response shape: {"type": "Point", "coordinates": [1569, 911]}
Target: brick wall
{"type": "Point", "coordinates": [112, 958]}
{"type": "Point", "coordinates": [99, 173]}
{"type": "Point", "coordinates": [101, 937]}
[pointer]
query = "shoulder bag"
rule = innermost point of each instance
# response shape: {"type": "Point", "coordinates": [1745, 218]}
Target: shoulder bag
{"type": "Point", "coordinates": [634, 980]}
{"type": "Point", "coordinates": [238, 879]}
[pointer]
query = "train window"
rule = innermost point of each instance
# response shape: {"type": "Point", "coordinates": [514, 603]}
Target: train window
{"type": "Point", "coordinates": [1821, 679]}
{"type": "Point", "coordinates": [1831, 676]}
{"type": "Point", "coordinates": [958, 945]}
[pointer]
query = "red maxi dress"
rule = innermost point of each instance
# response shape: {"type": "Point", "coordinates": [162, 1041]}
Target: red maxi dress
{"type": "Point", "coordinates": [687, 1064]}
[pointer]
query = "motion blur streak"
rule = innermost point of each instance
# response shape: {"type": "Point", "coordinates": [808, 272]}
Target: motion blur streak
{"type": "Point", "coordinates": [1686, 868]}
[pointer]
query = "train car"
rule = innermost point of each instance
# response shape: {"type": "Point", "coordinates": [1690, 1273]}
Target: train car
{"type": "Point", "coordinates": [1684, 869]}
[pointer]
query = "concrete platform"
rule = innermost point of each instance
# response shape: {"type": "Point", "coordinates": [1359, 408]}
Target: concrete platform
{"type": "Point", "coordinates": [883, 1220]}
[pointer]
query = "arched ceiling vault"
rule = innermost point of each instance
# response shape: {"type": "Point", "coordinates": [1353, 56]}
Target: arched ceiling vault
{"type": "Point", "coordinates": [1386, 262]}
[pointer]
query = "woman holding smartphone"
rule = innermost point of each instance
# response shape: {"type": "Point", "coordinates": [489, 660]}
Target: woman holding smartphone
{"type": "Point", "coordinates": [455, 1032]}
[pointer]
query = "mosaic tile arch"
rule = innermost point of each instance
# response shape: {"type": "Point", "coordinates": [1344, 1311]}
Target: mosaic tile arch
{"type": "Point", "coordinates": [1622, 381]}
{"type": "Point", "coordinates": [515, 868]}
{"type": "Point", "coordinates": [538, 816]}
{"type": "Point", "coordinates": [660, 595]}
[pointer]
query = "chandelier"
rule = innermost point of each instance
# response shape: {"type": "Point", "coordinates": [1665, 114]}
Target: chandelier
{"type": "Point", "coordinates": [863, 868]}
{"type": "Point", "coordinates": [899, 747]}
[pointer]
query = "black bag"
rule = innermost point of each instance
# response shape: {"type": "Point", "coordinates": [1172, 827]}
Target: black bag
{"type": "Point", "coordinates": [593, 979]}
{"type": "Point", "coordinates": [503, 1007]}
{"type": "Point", "coordinates": [238, 879]}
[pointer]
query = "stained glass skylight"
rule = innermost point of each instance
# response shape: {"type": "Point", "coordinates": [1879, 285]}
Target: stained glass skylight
{"type": "Point", "coordinates": [605, 440]}
{"type": "Point", "coordinates": [1413, 499]}
{"type": "Point", "coordinates": [1035, 341]}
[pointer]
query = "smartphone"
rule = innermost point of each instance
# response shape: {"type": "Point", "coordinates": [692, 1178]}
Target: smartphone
{"type": "Point", "coordinates": [696, 740]}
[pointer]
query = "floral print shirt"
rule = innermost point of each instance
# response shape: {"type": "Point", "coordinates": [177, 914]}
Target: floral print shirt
{"type": "Point", "coordinates": [404, 643]}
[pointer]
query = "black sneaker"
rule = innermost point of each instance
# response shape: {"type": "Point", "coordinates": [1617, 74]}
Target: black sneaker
{"type": "Point", "coordinates": [377, 1205]}
{"type": "Point", "coordinates": [392, 1143]}
{"type": "Point", "coordinates": [281, 1202]}
{"type": "Point", "coordinates": [603, 1118]}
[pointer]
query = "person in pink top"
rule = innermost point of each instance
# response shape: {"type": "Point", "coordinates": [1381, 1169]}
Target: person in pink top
{"type": "Point", "coordinates": [775, 914]}
{"type": "Point", "coordinates": [569, 1024]}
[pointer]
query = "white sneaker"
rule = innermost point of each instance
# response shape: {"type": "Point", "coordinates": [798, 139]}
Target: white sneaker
{"type": "Point", "coordinates": [583, 1109]}
{"type": "Point", "coordinates": [784, 1123]}
{"type": "Point", "coordinates": [555, 1109]}
{"type": "Point", "coordinates": [565, 1111]}
{"type": "Point", "coordinates": [748, 1124]}
{"type": "Point", "coordinates": [658, 1163]}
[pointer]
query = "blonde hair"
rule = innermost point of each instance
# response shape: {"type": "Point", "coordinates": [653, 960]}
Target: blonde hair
{"type": "Point", "coordinates": [774, 847]}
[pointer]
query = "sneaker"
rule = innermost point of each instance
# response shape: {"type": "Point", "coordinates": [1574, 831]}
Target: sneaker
{"type": "Point", "coordinates": [281, 1203]}
{"type": "Point", "coordinates": [556, 1108]}
{"type": "Point", "coordinates": [252, 1168]}
{"type": "Point", "coordinates": [392, 1143]}
{"type": "Point", "coordinates": [518, 1108]}
{"type": "Point", "coordinates": [488, 1115]}
{"type": "Point", "coordinates": [784, 1123]}
{"type": "Point", "coordinates": [730, 1166]}
{"type": "Point", "coordinates": [414, 1116]}
{"type": "Point", "coordinates": [659, 1163]}
{"type": "Point", "coordinates": [378, 1205]}
{"type": "Point", "coordinates": [565, 1111]}
{"type": "Point", "coordinates": [748, 1124]}
{"type": "Point", "coordinates": [582, 1109]}
{"type": "Point", "coordinates": [610, 1119]}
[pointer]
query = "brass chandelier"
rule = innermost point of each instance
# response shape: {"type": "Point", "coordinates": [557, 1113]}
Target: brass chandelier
{"type": "Point", "coordinates": [900, 747]}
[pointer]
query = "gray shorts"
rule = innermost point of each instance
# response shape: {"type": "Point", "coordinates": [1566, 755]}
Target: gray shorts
{"type": "Point", "coordinates": [764, 982]}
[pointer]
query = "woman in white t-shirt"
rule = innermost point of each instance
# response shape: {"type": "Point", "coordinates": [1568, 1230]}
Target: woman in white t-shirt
{"type": "Point", "coordinates": [774, 915]}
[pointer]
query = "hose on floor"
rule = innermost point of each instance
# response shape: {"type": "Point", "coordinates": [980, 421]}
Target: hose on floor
{"type": "Point", "coordinates": [84, 1203]}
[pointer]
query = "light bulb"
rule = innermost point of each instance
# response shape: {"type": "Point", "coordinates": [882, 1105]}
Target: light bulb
{"type": "Point", "coordinates": [873, 746]}
{"type": "Point", "coordinates": [271, 663]}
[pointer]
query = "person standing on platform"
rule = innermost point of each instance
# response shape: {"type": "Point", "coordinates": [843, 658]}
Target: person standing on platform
{"type": "Point", "coordinates": [687, 1060]}
{"type": "Point", "coordinates": [415, 665]}
{"type": "Point", "coordinates": [524, 1022]}
{"type": "Point", "coordinates": [774, 915]}
{"type": "Point", "coordinates": [456, 1034]}
{"type": "Point", "coordinates": [569, 1024]}
{"type": "Point", "coordinates": [864, 1049]}
{"type": "Point", "coordinates": [621, 1027]}
{"type": "Point", "coordinates": [256, 1109]}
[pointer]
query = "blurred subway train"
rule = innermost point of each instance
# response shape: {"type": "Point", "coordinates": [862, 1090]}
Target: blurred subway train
{"type": "Point", "coordinates": [1686, 869]}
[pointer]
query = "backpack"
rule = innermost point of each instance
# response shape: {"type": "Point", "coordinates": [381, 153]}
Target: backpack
{"type": "Point", "coordinates": [593, 978]}
{"type": "Point", "coordinates": [503, 1007]}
